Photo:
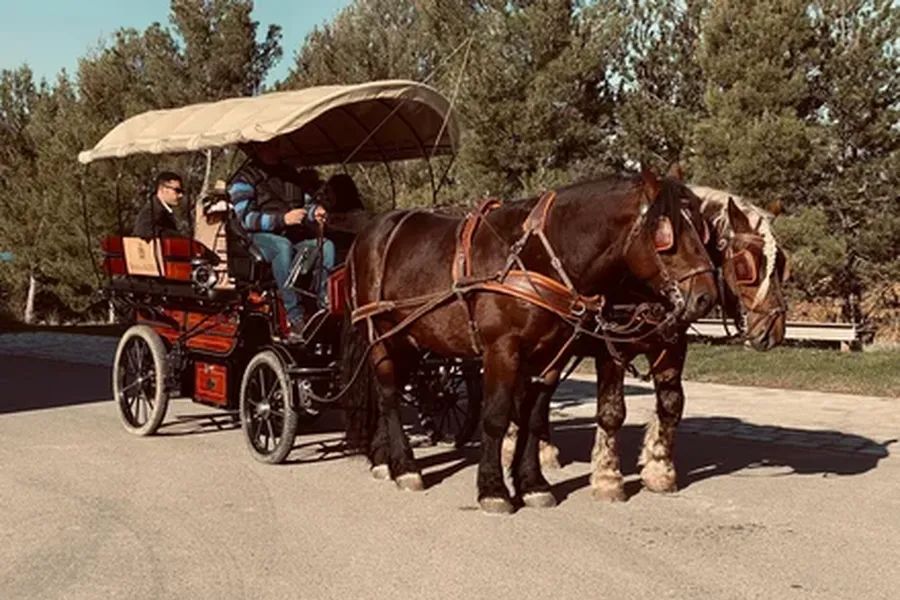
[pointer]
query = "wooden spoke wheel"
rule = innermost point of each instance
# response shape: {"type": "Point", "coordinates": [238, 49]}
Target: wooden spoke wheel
{"type": "Point", "coordinates": [268, 417]}
{"type": "Point", "coordinates": [139, 380]}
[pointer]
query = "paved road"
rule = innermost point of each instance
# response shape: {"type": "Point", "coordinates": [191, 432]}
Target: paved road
{"type": "Point", "coordinates": [783, 495]}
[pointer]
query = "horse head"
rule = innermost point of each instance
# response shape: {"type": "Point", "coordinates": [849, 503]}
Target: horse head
{"type": "Point", "coordinates": [753, 270]}
{"type": "Point", "coordinates": [666, 246]}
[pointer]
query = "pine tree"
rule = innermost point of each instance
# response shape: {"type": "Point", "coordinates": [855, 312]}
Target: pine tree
{"type": "Point", "coordinates": [662, 80]}
{"type": "Point", "coordinates": [860, 81]}
{"type": "Point", "coordinates": [760, 62]}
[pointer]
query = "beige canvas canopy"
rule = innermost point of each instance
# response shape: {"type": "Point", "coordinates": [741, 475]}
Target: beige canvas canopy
{"type": "Point", "coordinates": [369, 122]}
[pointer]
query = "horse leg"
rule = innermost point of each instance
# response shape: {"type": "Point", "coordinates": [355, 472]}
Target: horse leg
{"type": "Point", "coordinates": [501, 366]}
{"type": "Point", "coordinates": [549, 454]}
{"type": "Point", "coordinates": [528, 480]}
{"type": "Point", "coordinates": [400, 462]}
{"type": "Point", "coordinates": [658, 473]}
{"type": "Point", "coordinates": [380, 451]}
{"type": "Point", "coordinates": [606, 476]}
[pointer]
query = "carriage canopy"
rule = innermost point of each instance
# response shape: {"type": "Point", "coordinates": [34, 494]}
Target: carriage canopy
{"type": "Point", "coordinates": [370, 122]}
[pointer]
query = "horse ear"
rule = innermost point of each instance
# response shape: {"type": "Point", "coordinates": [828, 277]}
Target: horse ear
{"type": "Point", "coordinates": [651, 183]}
{"type": "Point", "coordinates": [775, 207]}
{"type": "Point", "coordinates": [737, 218]}
{"type": "Point", "coordinates": [676, 172]}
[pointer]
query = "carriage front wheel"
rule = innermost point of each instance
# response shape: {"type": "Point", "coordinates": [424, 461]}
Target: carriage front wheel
{"type": "Point", "coordinates": [139, 380]}
{"type": "Point", "coordinates": [268, 417]}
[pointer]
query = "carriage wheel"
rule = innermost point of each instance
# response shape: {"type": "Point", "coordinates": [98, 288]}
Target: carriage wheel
{"type": "Point", "coordinates": [139, 380]}
{"type": "Point", "coordinates": [268, 418]}
{"type": "Point", "coordinates": [450, 404]}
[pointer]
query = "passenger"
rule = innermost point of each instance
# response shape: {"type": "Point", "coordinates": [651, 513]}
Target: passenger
{"type": "Point", "coordinates": [346, 214]}
{"type": "Point", "coordinates": [262, 194]}
{"type": "Point", "coordinates": [157, 217]}
{"type": "Point", "coordinates": [341, 195]}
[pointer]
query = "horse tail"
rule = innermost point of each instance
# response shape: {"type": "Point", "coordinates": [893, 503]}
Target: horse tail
{"type": "Point", "coordinates": [360, 399]}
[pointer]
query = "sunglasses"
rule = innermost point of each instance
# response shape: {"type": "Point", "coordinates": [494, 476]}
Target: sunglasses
{"type": "Point", "coordinates": [177, 190]}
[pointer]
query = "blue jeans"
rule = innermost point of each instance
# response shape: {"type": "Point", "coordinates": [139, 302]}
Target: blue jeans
{"type": "Point", "coordinates": [277, 250]}
{"type": "Point", "coordinates": [320, 279]}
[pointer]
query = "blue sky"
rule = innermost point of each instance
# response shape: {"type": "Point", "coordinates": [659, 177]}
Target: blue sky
{"type": "Point", "coordinates": [52, 34]}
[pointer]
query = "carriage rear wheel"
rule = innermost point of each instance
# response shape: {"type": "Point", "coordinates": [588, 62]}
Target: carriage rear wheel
{"type": "Point", "coordinates": [448, 399]}
{"type": "Point", "coordinates": [268, 417]}
{"type": "Point", "coordinates": [139, 380]}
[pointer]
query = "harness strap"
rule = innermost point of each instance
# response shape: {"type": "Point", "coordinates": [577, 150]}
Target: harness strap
{"type": "Point", "coordinates": [462, 263]}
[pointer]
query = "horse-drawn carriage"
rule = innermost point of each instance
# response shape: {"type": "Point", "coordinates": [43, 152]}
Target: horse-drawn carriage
{"type": "Point", "coordinates": [429, 303]}
{"type": "Point", "coordinates": [207, 321]}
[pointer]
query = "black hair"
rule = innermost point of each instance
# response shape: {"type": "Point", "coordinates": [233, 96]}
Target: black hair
{"type": "Point", "coordinates": [165, 176]}
{"type": "Point", "coordinates": [345, 192]}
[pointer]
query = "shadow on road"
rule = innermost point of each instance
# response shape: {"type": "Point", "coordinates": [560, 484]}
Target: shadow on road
{"type": "Point", "coordinates": [30, 384]}
{"type": "Point", "coordinates": [708, 447]}
{"type": "Point", "coordinates": [193, 424]}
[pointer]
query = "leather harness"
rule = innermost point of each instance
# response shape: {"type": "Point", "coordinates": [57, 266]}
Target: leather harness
{"type": "Point", "coordinates": [536, 288]}
{"type": "Point", "coordinates": [558, 297]}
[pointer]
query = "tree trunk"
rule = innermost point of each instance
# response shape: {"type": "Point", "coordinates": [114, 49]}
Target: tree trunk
{"type": "Point", "coordinates": [29, 298]}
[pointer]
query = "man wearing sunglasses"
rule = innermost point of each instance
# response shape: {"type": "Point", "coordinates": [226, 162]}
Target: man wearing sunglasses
{"type": "Point", "coordinates": [157, 217]}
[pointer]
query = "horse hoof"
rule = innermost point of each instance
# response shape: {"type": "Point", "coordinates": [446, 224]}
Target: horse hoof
{"type": "Point", "coordinates": [381, 472]}
{"type": "Point", "coordinates": [608, 490]}
{"type": "Point", "coordinates": [549, 456]}
{"type": "Point", "coordinates": [659, 477]}
{"type": "Point", "coordinates": [411, 482]}
{"type": "Point", "coordinates": [496, 506]}
{"type": "Point", "coordinates": [539, 500]}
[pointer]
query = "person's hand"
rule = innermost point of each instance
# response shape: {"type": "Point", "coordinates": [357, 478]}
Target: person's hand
{"type": "Point", "coordinates": [295, 216]}
{"type": "Point", "coordinates": [321, 215]}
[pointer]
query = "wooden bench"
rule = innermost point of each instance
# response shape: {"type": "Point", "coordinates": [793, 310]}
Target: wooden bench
{"type": "Point", "coordinates": [848, 335]}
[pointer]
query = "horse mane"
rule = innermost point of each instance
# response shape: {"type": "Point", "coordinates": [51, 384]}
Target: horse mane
{"type": "Point", "coordinates": [667, 204]}
{"type": "Point", "coordinates": [759, 219]}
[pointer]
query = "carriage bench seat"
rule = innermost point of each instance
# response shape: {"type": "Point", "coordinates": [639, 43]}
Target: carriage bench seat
{"type": "Point", "coordinates": [167, 258]}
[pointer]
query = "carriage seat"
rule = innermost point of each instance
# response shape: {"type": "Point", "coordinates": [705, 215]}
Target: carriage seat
{"type": "Point", "coordinates": [168, 258]}
{"type": "Point", "coordinates": [215, 226]}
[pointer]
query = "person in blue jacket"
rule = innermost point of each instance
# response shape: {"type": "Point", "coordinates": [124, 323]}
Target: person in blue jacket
{"type": "Point", "coordinates": [265, 196]}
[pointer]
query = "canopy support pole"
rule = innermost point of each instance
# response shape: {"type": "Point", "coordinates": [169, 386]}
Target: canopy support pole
{"type": "Point", "coordinates": [118, 197]}
{"type": "Point", "coordinates": [419, 143]}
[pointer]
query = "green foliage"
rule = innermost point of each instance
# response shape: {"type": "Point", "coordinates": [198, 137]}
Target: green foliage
{"type": "Point", "coordinates": [759, 61]}
{"type": "Point", "coordinates": [662, 79]}
{"type": "Point", "coordinates": [814, 250]}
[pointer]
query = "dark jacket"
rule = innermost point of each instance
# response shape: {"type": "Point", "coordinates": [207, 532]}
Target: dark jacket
{"type": "Point", "coordinates": [155, 221]}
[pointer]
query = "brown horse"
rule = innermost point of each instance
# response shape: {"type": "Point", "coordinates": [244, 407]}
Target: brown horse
{"type": "Point", "coordinates": [425, 281]}
{"type": "Point", "coordinates": [751, 267]}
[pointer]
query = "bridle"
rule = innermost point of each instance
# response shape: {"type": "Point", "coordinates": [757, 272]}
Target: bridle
{"type": "Point", "coordinates": [743, 278]}
{"type": "Point", "coordinates": [669, 288]}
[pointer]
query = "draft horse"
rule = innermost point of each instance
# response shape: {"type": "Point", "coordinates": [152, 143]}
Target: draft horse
{"type": "Point", "coordinates": [513, 283]}
{"type": "Point", "coordinates": [750, 270]}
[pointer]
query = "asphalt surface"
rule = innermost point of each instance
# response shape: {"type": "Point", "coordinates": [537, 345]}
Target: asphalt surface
{"type": "Point", "coordinates": [782, 495]}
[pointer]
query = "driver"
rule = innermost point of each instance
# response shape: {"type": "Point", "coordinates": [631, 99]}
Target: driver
{"type": "Point", "coordinates": [263, 194]}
